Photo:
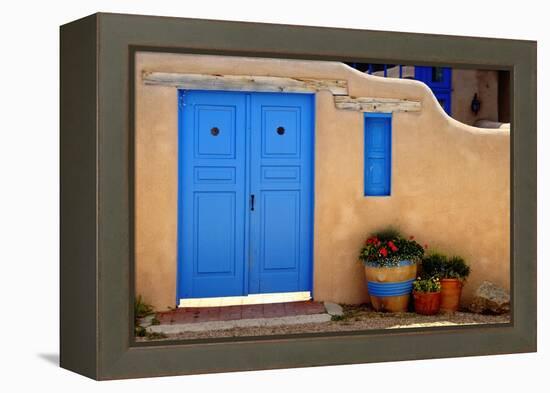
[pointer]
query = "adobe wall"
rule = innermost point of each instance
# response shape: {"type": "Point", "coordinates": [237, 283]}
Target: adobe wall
{"type": "Point", "coordinates": [450, 185]}
{"type": "Point", "coordinates": [465, 84]}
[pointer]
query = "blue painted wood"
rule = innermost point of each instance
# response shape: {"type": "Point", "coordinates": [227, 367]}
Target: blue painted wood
{"type": "Point", "coordinates": [435, 77]}
{"type": "Point", "coordinates": [377, 171]}
{"type": "Point", "coordinates": [212, 208]}
{"type": "Point", "coordinates": [281, 224]}
{"type": "Point", "coordinates": [234, 146]}
{"type": "Point", "coordinates": [439, 80]}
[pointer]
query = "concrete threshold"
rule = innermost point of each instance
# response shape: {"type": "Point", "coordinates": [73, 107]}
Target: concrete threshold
{"type": "Point", "coordinates": [433, 324]}
{"type": "Point", "coordinates": [238, 323]}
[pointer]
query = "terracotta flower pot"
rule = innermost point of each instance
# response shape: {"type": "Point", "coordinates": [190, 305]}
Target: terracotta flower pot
{"type": "Point", "coordinates": [451, 290]}
{"type": "Point", "coordinates": [390, 287]}
{"type": "Point", "coordinates": [427, 303]}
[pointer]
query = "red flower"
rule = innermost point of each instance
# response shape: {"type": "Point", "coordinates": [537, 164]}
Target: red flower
{"type": "Point", "coordinates": [384, 252]}
{"type": "Point", "coordinates": [392, 246]}
{"type": "Point", "coordinates": [411, 237]}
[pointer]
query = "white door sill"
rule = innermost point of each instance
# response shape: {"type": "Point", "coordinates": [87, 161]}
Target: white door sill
{"type": "Point", "coordinates": [260, 298]}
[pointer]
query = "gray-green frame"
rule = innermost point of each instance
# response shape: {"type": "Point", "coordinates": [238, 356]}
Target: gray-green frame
{"type": "Point", "coordinates": [97, 57]}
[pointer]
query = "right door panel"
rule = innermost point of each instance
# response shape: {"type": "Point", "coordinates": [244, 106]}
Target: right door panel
{"type": "Point", "coordinates": [281, 187]}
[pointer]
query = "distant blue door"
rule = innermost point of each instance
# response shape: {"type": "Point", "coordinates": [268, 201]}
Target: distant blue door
{"type": "Point", "coordinates": [245, 193]}
{"type": "Point", "coordinates": [439, 80]}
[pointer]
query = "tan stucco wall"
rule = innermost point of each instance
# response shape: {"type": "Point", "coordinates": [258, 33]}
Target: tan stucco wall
{"type": "Point", "coordinates": [450, 185]}
{"type": "Point", "coordinates": [465, 84]}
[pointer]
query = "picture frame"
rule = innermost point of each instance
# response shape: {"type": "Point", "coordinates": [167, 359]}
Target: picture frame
{"type": "Point", "coordinates": [96, 258]}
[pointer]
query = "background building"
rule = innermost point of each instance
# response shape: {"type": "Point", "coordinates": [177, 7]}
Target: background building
{"type": "Point", "coordinates": [456, 88]}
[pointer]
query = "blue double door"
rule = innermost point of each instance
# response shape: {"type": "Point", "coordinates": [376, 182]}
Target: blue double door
{"type": "Point", "coordinates": [245, 213]}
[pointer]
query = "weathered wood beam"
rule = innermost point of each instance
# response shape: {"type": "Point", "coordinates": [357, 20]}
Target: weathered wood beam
{"type": "Point", "coordinates": [369, 104]}
{"type": "Point", "coordinates": [245, 83]}
{"type": "Point", "coordinates": [338, 88]}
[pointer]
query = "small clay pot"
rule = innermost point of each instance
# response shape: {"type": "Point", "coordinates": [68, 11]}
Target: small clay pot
{"type": "Point", "coordinates": [451, 290]}
{"type": "Point", "coordinates": [427, 303]}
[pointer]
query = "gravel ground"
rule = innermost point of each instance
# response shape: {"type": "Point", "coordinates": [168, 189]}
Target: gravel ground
{"type": "Point", "coordinates": [354, 318]}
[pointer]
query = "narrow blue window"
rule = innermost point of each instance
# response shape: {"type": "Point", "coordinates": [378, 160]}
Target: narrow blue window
{"type": "Point", "coordinates": [377, 154]}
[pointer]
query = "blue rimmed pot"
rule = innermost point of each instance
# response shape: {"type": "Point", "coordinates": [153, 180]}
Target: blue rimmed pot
{"type": "Point", "coordinates": [390, 287]}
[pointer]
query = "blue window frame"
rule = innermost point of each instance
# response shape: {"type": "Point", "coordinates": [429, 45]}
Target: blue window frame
{"type": "Point", "coordinates": [377, 164]}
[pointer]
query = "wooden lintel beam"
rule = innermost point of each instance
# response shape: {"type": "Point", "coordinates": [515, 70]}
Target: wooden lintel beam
{"type": "Point", "coordinates": [338, 88]}
{"type": "Point", "coordinates": [370, 104]}
{"type": "Point", "coordinates": [245, 83]}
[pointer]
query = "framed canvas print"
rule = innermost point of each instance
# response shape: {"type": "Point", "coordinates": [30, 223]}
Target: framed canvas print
{"type": "Point", "coordinates": [241, 196]}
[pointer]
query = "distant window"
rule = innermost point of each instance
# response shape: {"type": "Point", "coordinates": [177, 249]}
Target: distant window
{"type": "Point", "coordinates": [437, 74]}
{"type": "Point", "coordinates": [377, 170]}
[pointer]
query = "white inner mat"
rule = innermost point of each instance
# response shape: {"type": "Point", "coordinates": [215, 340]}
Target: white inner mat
{"type": "Point", "coordinates": [260, 298]}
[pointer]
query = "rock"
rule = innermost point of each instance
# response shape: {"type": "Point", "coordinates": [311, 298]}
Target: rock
{"type": "Point", "coordinates": [490, 299]}
{"type": "Point", "coordinates": [146, 321]}
{"type": "Point", "coordinates": [334, 309]}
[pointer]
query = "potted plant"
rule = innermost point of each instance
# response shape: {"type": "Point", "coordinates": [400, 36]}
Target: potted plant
{"type": "Point", "coordinates": [390, 268]}
{"type": "Point", "coordinates": [452, 273]}
{"type": "Point", "coordinates": [427, 295]}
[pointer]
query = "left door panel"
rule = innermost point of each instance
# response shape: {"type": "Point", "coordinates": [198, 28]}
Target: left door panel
{"type": "Point", "coordinates": [212, 163]}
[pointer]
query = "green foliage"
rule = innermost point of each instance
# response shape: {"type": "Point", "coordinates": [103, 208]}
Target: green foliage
{"type": "Point", "coordinates": [438, 265]}
{"type": "Point", "coordinates": [142, 309]}
{"type": "Point", "coordinates": [433, 265]}
{"type": "Point", "coordinates": [155, 335]}
{"type": "Point", "coordinates": [140, 331]}
{"type": "Point", "coordinates": [388, 248]}
{"type": "Point", "coordinates": [431, 284]}
{"type": "Point", "coordinates": [457, 268]}
{"type": "Point", "coordinates": [387, 234]}
{"type": "Point", "coordinates": [409, 249]}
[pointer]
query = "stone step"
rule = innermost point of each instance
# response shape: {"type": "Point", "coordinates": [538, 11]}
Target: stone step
{"type": "Point", "coordinates": [176, 328]}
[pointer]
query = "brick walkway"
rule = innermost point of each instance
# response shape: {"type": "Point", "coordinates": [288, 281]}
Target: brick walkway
{"type": "Point", "coordinates": [229, 313]}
